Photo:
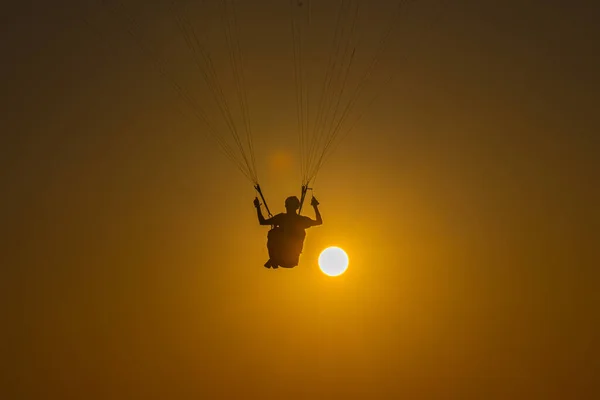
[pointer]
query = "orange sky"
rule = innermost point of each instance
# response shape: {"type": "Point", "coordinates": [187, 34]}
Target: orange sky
{"type": "Point", "coordinates": [466, 200]}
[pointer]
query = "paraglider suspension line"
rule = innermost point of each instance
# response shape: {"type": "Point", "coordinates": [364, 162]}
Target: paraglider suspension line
{"type": "Point", "coordinates": [305, 188]}
{"type": "Point", "coordinates": [257, 187]}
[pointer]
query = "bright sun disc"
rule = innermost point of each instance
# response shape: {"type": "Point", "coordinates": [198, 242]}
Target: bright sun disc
{"type": "Point", "coordinates": [333, 261]}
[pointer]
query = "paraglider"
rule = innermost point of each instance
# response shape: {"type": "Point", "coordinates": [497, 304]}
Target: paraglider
{"type": "Point", "coordinates": [286, 237]}
{"type": "Point", "coordinates": [334, 116]}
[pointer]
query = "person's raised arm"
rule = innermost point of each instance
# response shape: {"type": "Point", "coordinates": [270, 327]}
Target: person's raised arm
{"type": "Point", "coordinates": [315, 204]}
{"type": "Point", "coordinates": [261, 219]}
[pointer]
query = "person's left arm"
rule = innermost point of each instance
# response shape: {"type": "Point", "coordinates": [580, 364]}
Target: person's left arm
{"type": "Point", "coordinates": [318, 218]}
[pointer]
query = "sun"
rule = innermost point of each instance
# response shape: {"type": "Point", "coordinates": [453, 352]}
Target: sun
{"type": "Point", "coordinates": [333, 261]}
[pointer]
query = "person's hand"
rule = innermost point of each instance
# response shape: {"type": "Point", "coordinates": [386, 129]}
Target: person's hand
{"type": "Point", "coordinates": [256, 202]}
{"type": "Point", "coordinates": [314, 202]}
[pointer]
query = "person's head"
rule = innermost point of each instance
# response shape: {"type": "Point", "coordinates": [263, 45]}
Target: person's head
{"type": "Point", "coordinates": [292, 204]}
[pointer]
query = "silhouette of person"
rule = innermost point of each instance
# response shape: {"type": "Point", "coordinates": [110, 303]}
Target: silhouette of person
{"type": "Point", "coordinates": [286, 239]}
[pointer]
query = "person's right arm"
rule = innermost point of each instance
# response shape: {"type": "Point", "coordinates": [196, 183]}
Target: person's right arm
{"type": "Point", "coordinates": [261, 218]}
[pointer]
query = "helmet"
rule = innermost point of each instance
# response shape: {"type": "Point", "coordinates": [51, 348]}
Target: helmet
{"type": "Point", "coordinates": [292, 202]}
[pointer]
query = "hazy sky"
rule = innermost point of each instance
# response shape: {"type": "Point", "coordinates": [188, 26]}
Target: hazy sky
{"type": "Point", "coordinates": [467, 200]}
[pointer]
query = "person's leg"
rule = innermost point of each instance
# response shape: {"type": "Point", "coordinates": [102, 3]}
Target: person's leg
{"type": "Point", "coordinates": [274, 242]}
